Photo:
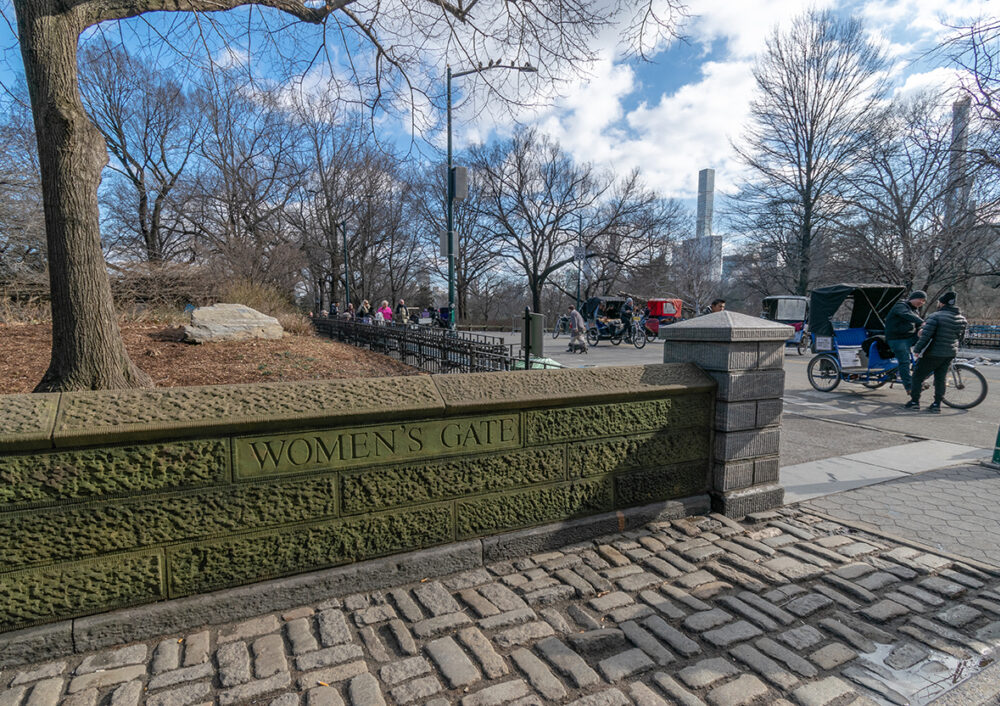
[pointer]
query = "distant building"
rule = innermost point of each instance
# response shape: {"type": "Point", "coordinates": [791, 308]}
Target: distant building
{"type": "Point", "coordinates": [705, 249]}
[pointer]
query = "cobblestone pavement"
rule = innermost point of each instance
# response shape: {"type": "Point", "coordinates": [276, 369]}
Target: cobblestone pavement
{"type": "Point", "coordinates": [788, 608]}
{"type": "Point", "coordinates": [953, 509]}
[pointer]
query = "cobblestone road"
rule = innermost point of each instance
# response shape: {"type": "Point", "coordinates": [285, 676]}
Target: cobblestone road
{"type": "Point", "coordinates": [787, 609]}
{"type": "Point", "coordinates": [953, 509]}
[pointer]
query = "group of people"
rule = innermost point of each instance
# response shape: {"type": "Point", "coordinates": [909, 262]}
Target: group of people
{"type": "Point", "coordinates": [369, 315]}
{"type": "Point", "coordinates": [578, 326]}
{"type": "Point", "coordinates": [934, 343]}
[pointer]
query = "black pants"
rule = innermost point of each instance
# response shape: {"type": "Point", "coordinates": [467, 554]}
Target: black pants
{"type": "Point", "coordinates": [926, 365]}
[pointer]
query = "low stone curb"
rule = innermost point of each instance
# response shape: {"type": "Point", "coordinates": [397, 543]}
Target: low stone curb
{"type": "Point", "coordinates": [174, 616]}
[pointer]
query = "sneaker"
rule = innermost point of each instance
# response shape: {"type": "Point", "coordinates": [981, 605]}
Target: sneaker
{"type": "Point", "coordinates": [911, 405]}
{"type": "Point", "coordinates": [934, 408]}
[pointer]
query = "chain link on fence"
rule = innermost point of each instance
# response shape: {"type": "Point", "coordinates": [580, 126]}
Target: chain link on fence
{"type": "Point", "coordinates": [434, 350]}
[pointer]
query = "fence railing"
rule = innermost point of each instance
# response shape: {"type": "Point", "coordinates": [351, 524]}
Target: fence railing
{"type": "Point", "coordinates": [982, 335]}
{"type": "Point", "coordinates": [434, 350]}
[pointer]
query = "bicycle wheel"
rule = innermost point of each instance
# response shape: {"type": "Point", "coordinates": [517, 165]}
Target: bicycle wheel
{"type": "Point", "coordinates": [639, 339]}
{"type": "Point", "coordinates": [615, 338]}
{"type": "Point", "coordinates": [592, 336]}
{"type": "Point", "coordinates": [556, 330]}
{"type": "Point", "coordinates": [965, 387]}
{"type": "Point", "coordinates": [824, 373]}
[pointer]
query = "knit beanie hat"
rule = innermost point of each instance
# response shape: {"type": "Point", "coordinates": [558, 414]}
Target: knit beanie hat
{"type": "Point", "coordinates": [917, 294]}
{"type": "Point", "coordinates": [948, 298]}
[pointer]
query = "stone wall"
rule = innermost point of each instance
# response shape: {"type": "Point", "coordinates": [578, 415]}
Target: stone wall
{"type": "Point", "coordinates": [113, 499]}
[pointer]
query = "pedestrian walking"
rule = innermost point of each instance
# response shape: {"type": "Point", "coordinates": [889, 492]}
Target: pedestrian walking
{"type": "Point", "coordinates": [936, 347]}
{"type": "Point", "coordinates": [400, 315]}
{"type": "Point", "coordinates": [365, 311]}
{"type": "Point", "coordinates": [577, 331]}
{"type": "Point", "coordinates": [717, 306]}
{"type": "Point", "coordinates": [385, 310]}
{"type": "Point", "coordinates": [901, 327]}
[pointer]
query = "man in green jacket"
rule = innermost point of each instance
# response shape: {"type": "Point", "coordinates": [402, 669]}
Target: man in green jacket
{"type": "Point", "coordinates": [936, 348]}
{"type": "Point", "coordinates": [901, 326]}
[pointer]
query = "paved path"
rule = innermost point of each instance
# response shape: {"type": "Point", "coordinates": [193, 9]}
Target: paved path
{"type": "Point", "coordinates": [953, 509]}
{"type": "Point", "coordinates": [786, 609]}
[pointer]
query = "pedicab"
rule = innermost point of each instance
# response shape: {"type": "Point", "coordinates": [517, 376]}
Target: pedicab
{"type": "Point", "coordinates": [603, 317]}
{"type": "Point", "coordinates": [793, 311]}
{"type": "Point", "coordinates": [662, 312]}
{"type": "Point", "coordinates": [859, 353]}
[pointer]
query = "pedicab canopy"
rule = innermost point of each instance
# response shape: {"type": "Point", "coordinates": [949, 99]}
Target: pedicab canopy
{"type": "Point", "coordinates": [612, 307]}
{"type": "Point", "coordinates": [872, 303]}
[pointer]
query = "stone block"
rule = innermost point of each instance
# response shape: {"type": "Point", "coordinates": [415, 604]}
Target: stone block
{"type": "Point", "coordinates": [731, 475]}
{"type": "Point", "coordinates": [736, 445]}
{"type": "Point", "coordinates": [392, 486]}
{"type": "Point", "coordinates": [101, 417]}
{"type": "Point", "coordinates": [77, 531]}
{"type": "Point", "coordinates": [603, 420]}
{"type": "Point", "coordinates": [735, 416]}
{"type": "Point", "coordinates": [727, 326]}
{"type": "Point", "coordinates": [765, 470]}
{"type": "Point", "coordinates": [665, 483]}
{"type": "Point", "coordinates": [253, 557]}
{"type": "Point", "coordinates": [740, 503]}
{"type": "Point", "coordinates": [35, 644]}
{"type": "Point", "coordinates": [26, 421]}
{"type": "Point", "coordinates": [769, 412]}
{"type": "Point", "coordinates": [513, 510]}
{"type": "Point", "coordinates": [755, 385]}
{"type": "Point", "coordinates": [724, 357]}
{"type": "Point", "coordinates": [67, 590]}
{"type": "Point", "coordinates": [60, 476]}
{"type": "Point", "coordinates": [474, 392]}
{"type": "Point", "coordinates": [230, 322]}
{"type": "Point", "coordinates": [640, 451]}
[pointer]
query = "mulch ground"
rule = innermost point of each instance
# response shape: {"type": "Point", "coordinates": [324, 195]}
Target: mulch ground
{"type": "Point", "coordinates": [25, 349]}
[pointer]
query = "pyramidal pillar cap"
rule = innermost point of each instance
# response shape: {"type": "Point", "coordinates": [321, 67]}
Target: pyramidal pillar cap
{"type": "Point", "coordinates": [726, 326]}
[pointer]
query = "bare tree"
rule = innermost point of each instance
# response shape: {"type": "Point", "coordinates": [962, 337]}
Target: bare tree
{"type": "Point", "coordinates": [22, 228]}
{"type": "Point", "coordinates": [817, 84]}
{"type": "Point", "coordinates": [975, 49]}
{"type": "Point", "coordinates": [251, 175]}
{"type": "Point", "coordinates": [152, 129]}
{"type": "Point", "coordinates": [87, 349]}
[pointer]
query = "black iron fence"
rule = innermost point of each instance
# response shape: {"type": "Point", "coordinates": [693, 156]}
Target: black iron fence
{"type": "Point", "coordinates": [982, 335]}
{"type": "Point", "coordinates": [435, 350]}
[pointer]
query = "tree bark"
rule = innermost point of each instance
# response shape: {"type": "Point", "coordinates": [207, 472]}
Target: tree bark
{"type": "Point", "coordinates": [87, 347]}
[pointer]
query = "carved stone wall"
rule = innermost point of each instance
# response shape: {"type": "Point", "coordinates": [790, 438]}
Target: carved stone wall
{"type": "Point", "coordinates": [112, 499]}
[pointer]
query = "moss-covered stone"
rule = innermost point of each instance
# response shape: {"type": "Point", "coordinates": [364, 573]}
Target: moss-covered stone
{"type": "Point", "coordinates": [59, 476]}
{"type": "Point", "coordinates": [593, 458]}
{"type": "Point", "coordinates": [665, 483]}
{"type": "Point", "coordinates": [55, 592]}
{"type": "Point", "coordinates": [125, 415]}
{"type": "Point", "coordinates": [377, 488]}
{"type": "Point", "coordinates": [601, 420]}
{"type": "Point", "coordinates": [496, 513]}
{"type": "Point", "coordinates": [253, 557]}
{"type": "Point", "coordinates": [58, 534]}
{"type": "Point", "coordinates": [26, 421]}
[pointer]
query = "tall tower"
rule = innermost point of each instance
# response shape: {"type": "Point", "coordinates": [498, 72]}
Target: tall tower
{"type": "Point", "coordinates": [706, 203]}
{"type": "Point", "coordinates": [956, 204]}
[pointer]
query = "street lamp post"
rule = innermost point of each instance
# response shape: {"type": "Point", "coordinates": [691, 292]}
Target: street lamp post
{"type": "Point", "coordinates": [450, 235]}
{"type": "Point", "coordinates": [347, 269]}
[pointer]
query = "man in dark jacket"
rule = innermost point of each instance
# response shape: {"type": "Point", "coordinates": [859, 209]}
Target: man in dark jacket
{"type": "Point", "coordinates": [936, 347]}
{"type": "Point", "coordinates": [901, 326]}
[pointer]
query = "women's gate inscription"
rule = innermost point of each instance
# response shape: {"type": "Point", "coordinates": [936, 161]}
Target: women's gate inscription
{"type": "Point", "coordinates": [337, 448]}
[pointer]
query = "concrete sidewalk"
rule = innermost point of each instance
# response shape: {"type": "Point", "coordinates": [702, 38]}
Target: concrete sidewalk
{"type": "Point", "coordinates": [834, 475]}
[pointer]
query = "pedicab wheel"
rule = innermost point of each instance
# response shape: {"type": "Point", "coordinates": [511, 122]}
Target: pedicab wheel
{"type": "Point", "coordinates": [824, 373]}
{"type": "Point", "coordinates": [639, 339]}
{"type": "Point", "coordinates": [802, 346]}
{"type": "Point", "coordinates": [965, 387]}
{"type": "Point", "coordinates": [615, 339]}
{"type": "Point", "coordinates": [592, 336]}
{"type": "Point", "coordinates": [650, 336]}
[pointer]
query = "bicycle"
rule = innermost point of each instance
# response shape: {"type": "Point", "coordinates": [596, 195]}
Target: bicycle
{"type": "Point", "coordinates": [635, 335]}
{"type": "Point", "coordinates": [562, 326]}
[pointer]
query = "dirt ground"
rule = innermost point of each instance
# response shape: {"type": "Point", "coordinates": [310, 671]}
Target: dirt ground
{"type": "Point", "coordinates": [24, 356]}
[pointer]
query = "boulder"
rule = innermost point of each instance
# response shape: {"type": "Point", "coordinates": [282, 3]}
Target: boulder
{"type": "Point", "coordinates": [230, 322]}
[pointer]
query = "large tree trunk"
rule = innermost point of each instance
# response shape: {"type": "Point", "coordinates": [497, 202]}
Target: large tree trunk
{"type": "Point", "coordinates": [87, 348]}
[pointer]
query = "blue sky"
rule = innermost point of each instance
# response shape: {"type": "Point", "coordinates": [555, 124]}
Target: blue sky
{"type": "Point", "coordinates": [680, 113]}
